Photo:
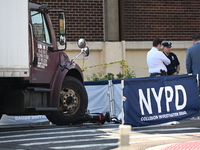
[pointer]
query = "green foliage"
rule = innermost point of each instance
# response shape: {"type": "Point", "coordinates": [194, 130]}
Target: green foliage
{"type": "Point", "coordinates": [129, 74]}
{"type": "Point", "coordinates": [96, 77]}
{"type": "Point", "coordinates": [120, 75]}
{"type": "Point", "coordinates": [110, 76]}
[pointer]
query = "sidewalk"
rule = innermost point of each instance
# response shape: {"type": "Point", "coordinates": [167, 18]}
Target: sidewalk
{"type": "Point", "coordinates": [192, 145]}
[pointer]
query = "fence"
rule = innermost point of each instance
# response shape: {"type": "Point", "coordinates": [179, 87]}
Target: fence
{"type": "Point", "coordinates": [149, 100]}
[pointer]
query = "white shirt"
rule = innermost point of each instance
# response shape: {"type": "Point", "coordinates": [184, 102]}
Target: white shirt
{"type": "Point", "coordinates": [157, 60]}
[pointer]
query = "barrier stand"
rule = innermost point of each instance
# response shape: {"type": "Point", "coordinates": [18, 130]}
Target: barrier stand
{"type": "Point", "coordinates": [124, 131]}
{"type": "Point", "coordinates": [111, 100]}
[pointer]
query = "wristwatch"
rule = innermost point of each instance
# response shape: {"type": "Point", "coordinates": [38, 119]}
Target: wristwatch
{"type": "Point", "coordinates": [177, 71]}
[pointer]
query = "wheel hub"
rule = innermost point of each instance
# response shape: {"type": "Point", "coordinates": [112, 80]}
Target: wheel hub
{"type": "Point", "coordinates": [69, 100]}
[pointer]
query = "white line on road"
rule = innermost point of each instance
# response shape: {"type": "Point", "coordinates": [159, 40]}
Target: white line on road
{"type": "Point", "coordinates": [67, 141]}
{"type": "Point", "coordinates": [52, 133]}
{"type": "Point", "coordinates": [35, 130]}
{"type": "Point", "coordinates": [60, 128]}
{"type": "Point", "coordinates": [54, 137]}
{"type": "Point", "coordinates": [85, 146]}
{"type": "Point", "coordinates": [90, 131]}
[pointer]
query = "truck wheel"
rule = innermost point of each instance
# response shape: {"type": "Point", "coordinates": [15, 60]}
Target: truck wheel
{"type": "Point", "coordinates": [73, 103]}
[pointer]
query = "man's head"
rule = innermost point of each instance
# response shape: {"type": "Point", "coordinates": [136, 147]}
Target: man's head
{"type": "Point", "coordinates": [167, 47]}
{"type": "Point", "coordinates": [157, 43]}
{"type": "Point", "coordinates": [196, 37]}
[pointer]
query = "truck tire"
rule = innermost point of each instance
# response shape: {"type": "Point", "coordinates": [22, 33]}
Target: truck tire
{"type": "Point", "coordinates": [73, 103]}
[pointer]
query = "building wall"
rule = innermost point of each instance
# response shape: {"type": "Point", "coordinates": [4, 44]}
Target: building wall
{"type": "Point", "coordinates": [84, 19]}
{"type": "Point", "coordinates": [140, 21]}
{"type": "Point", "coordinates": [144, 20]}
{"type": "Point", "coordinates": [174, 20]}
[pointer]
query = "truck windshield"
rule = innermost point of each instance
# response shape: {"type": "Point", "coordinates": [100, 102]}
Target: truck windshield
{"type": "Point", "coordinates": [40, 29]}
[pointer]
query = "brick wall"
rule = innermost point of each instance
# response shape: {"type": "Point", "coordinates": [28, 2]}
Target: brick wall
{"type": "Point", "coordinates": [84, 18]}
{"type": "Point", "coordinates": [144, 19]}
{"type": "Point", "coordinates": [166, 19]}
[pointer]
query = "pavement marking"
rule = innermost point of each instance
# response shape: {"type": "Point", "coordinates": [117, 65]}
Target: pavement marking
{"type": "Point", "coordinates": [66, 141]}
{"type": "Point", "coordinates": [60, 128]}
{"type": "Point", "coordinates": [54, 137]}
{"type": "Point", "coordinates": [27, 138]}
{"type": "Point", "coordinates": [49, 133]}
{"type": "Point", "coordinates": [98, 134]}
{"type": "Point", "coordinates": [87, 135]}
{"type": "Point", "coordinates": [35, 130]}
{"type": "Point", "coordinates": [85, 146]}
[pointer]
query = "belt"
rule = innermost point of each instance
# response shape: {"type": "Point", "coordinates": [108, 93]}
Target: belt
{"type": "Point", "coordinates": [156, 73]}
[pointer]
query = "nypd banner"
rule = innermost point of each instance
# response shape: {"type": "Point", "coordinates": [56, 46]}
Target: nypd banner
{"type": "Point", "coordinates": [156, 100]}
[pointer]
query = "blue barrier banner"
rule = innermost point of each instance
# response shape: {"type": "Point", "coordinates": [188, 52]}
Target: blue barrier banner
{"type": "Point", "coordinates": [156, 100]}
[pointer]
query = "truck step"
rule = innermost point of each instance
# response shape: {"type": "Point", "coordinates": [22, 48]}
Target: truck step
{"type": "Point", "coordinates": [38, 89]}
{"type": "Point", "coordinates": [43, 108]}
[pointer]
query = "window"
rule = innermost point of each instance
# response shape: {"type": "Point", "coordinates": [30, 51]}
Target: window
{"type": "Point", "coordinates": [40, 29]}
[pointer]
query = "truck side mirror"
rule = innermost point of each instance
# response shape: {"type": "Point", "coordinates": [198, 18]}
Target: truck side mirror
{"type": "Point", "coordinates": [85, 51]}
{"type": "Point", "coordinates": [81, 43]}
{"type": "Point", "coordinates": [62, 29]}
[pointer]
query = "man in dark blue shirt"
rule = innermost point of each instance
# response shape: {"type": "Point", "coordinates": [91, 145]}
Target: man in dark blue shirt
{"type": "Point", "coordinates": [193, 56]}
{"type": "Point", "coordinates": [174, 67]}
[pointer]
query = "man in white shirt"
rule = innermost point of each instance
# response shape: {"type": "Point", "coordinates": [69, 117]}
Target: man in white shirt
{"type": "Point", "coordinates": [156, 60]}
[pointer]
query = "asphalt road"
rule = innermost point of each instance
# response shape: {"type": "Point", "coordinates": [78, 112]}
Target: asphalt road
{"type": "Point", "coordinates": [89, 136]}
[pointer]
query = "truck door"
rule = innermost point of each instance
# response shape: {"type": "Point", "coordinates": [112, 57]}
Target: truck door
{"type": "Point", "coordinates": [43, 61]}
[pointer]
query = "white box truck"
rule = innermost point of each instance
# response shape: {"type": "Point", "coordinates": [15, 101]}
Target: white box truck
{"type": "Point", "coordinates": [35, 76]}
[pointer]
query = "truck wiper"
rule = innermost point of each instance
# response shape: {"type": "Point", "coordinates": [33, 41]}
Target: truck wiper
{"type": "Point", "coordinates": [43, 8]}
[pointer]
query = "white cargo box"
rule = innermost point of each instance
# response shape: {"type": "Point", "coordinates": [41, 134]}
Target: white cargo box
{"type": "Point", "coordinates": [14, 52]}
